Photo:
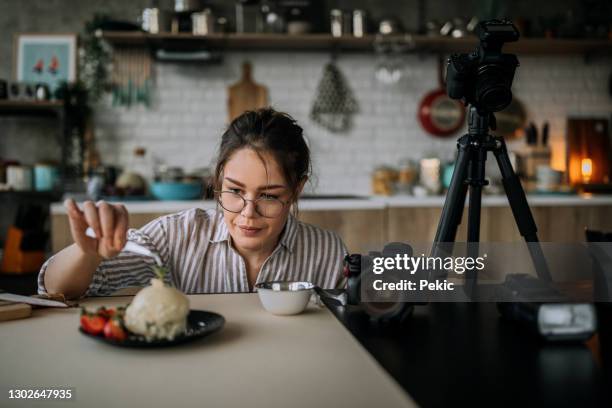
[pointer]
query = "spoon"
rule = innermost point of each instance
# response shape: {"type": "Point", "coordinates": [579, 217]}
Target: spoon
{"type": "Point", "coordinates": [131, 247]}
{"type": "Point", "coordinates": [340, 298]}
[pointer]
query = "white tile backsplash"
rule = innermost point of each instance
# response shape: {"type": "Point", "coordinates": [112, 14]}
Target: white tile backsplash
{"type": "Point", "coordinates": [189, 113]}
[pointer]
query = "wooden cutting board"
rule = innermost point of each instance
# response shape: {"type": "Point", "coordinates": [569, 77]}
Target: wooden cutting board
{"type": "Point", "coordinates": [245, 94]}
{"type": "Point", "coordinates": [12, 311]}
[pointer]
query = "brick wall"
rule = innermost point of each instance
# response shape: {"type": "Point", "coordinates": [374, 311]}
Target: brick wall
{"type": "Point", "coordinates": [189, 113]}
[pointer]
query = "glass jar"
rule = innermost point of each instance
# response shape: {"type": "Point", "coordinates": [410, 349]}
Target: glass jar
{"type": "Point", "coordinates": [384, 180]}
{"type": "Point", "coordinates": [429, 175]}
{"type": "Point", "coordinates": [407, 176]}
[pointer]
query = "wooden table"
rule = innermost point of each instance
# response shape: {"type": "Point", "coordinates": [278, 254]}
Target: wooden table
{"type": "Point", "coordinates": [257, 360]}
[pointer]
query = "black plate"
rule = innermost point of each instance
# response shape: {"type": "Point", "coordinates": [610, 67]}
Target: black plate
{"type": "Point", "coordinates": [199, 324]}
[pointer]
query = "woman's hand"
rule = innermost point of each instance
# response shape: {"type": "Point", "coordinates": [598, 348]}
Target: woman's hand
{"type": "Point", "coordinates": [109, 222]}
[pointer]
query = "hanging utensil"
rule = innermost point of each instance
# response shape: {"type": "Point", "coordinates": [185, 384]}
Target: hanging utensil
{"type": "Point", "coordinates": [438, 114]}
{"type": "Point", "coordinates": [131, 76]}
{"type": "Point", "coordinates": [334, 102]}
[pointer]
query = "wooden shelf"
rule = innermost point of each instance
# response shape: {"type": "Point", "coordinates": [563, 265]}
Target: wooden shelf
{"type": "Point", "coordinates": [31, 107]}
{"type": "Point", "coordinates": [318, 42]}
{"type": "Point", "coordinates": [53, 195]}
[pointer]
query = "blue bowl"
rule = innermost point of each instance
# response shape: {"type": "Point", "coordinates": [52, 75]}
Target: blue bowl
{"type": "Point", "coordinates": [177, 190]}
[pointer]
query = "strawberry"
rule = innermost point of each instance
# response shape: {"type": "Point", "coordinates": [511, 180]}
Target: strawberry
{"type": "Point", "coordinates": [114, 330]}
{"type": "Point", "coordinates": [92, 324]}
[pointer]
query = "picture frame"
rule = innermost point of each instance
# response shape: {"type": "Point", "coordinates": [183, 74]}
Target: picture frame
{"type": "Point", "coordinates": [45, 58]}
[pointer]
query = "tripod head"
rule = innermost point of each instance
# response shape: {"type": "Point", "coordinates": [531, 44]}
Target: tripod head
{"type": "Point", "coordinates": [484, 77]}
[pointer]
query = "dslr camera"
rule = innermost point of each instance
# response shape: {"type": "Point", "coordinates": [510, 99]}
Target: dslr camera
{"type": "Point", "coordinates": [356, 268]}
{"type": "Point", "coordinates": [484, 77]}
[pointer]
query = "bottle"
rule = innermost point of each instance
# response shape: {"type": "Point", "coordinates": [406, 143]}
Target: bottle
{"type": "Point", "coordinates": [132, 181]}
{"type": "Point", "coordinates": [336, 22]}
{"type": "Point", "coordinates": [140, 163]}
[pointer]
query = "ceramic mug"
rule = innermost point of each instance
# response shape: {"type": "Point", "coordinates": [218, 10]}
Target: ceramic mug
{"type": "Point", "coordinates": [547, 178]}
{"type": "Point", "coordinates": [46, 177]}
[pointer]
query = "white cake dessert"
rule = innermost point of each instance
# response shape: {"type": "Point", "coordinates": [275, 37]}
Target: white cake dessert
{"type": "Point", "coordinates": [158, 312]}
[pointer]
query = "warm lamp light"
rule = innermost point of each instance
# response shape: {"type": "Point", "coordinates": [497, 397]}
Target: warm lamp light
{"type": "Point", "coordinates": [586, 169]}
{"type": "Point", "coordinates": [588, 152]}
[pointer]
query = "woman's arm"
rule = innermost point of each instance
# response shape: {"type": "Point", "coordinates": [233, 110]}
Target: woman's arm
{"type": "Point", "coordinates": [125, 269]}
{"type": "Point", "coordinates": [71, 270]}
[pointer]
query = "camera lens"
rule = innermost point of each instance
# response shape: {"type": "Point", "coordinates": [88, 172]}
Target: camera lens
{"type": "Point", "coordinates": [492, 90]}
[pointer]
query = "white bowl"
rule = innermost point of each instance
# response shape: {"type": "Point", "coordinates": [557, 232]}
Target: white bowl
{"type": "Point", "coordinates": [284, 297]}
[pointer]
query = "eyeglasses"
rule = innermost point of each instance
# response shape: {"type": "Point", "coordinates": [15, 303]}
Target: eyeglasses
{"type": "Point", "coordinates": [268, 207]}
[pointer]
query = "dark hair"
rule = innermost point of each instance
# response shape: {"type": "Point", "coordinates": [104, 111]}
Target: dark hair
{"type": "Point", "coordinates": [266, 130]}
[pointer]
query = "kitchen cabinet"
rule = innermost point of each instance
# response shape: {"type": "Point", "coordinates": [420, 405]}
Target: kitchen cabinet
{"type": "Point", "coordinates": [368, 224]}
{"type": "Point", "coordinates": [361, 230]}
{"type": "Point", "coordinates": [555, 224]}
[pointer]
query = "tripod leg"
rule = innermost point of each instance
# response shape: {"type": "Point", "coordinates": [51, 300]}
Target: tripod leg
{"type": "Point", "coordinates": [455, 197]}
{"type": "Point", "coordinates": [520, 209]}
{"type": "Point", "coordinates": [476, 182]}
{"type": "Point", "coordinates": [453, 206]}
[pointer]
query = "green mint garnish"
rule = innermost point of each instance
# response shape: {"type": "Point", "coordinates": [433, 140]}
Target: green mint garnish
{"type": "Point", "coordinates": [160, 272]}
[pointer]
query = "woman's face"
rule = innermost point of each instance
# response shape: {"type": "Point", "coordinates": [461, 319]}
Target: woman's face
{"type": "Point", "coordinates": [245, 173]}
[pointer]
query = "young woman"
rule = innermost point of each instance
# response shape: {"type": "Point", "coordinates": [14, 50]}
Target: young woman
{"type": "Point", "coordinates": [251, 237]}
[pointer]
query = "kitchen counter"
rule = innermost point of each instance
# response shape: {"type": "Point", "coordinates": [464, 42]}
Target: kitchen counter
{"type": "Point", "coordinates": [256, 360]}
{"type": "Point", "coordinates": [366, 203]}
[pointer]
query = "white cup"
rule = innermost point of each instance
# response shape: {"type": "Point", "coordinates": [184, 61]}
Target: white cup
{"type": "Point", "coordinates": [19, 178]}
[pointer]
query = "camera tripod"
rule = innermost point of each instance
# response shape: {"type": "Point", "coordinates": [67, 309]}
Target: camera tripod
{"type": "Point", "coordinates": [470, 172]}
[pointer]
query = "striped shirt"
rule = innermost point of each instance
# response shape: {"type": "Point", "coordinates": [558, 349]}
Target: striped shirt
{"type": "Point", "coordinates": [196, 247]}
